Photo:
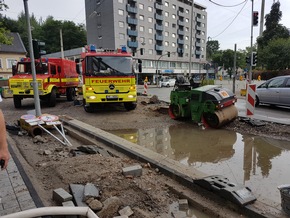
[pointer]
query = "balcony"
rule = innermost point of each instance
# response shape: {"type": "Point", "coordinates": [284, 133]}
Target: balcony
{"type": "Point", "coordinates": [180, 41]}
{"type": "Point", "coordinates": [158, 27]}
{"type": "Point", "coordinates": [131, 9]}
{"type": "Point", "coordinates": [158, 17]}
{"type": "Point", "coordinates": [198, 19]}
{"type": "Point", "coordinates": [180, 32]}
{"type": "Point", "coordinates": [132, 21]}
{"type": "Point", "coordinates": [197, 44]}
{"type": "Point", "coordinates": [158, 47]}
{"type": "Point", "coordinates": [132, 32]}
{"type": "Point", "coordinates": [158, 6]}
{"type": "Point", "coordinates": [158, 37]}
{"type": "Point", "coordinates": [197, 52]}
{"type": "Point", "coordinates": [180, 13]}
{"type": "Point", "coordinates": [180, 51]}
{"type": "Point", "coordinates": [180, 23]}
{"type": "Point", "coordinates": [198, 27]}
{"type": "Point", "coordinates": [132, 44]}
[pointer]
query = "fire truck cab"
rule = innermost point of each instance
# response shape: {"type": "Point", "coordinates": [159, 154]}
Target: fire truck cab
{"type": "Point", "coordinates": [108, 77]}
{"type": "Point", "coordinates": [55, 77]}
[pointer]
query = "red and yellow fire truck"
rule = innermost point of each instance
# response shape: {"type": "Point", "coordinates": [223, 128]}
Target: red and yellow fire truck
{"type": "Point", "coordinates": [107, 77]}
{"type": "Point", "coordinates": [55, 77]}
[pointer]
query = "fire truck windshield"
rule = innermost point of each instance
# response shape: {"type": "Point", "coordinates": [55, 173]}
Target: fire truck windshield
{"type": "Point", "coordinates": [25, 68]}
{"type": "Point", "coordinates": [108, 66]}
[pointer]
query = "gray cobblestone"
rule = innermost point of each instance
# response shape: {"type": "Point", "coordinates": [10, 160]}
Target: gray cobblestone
{"type": "Point", "coordinates": [10, 210]}
{"type": "Point", "coordinates": [12, 168]}
{"type": "Point", "coordinates": [4, 183]}
{"type": "Point", "coordinates": [24, 197]}
{"type": "Point", "coordinates": [28, 204]}
{"type": "Point", "coordinates": [20, 189]}
{"type": "Point", "coordinates": [17, 182]}
{"type": "Point", "coordinates": [8, 190]}
{"type": "Point", "coordinates": [10, 204]}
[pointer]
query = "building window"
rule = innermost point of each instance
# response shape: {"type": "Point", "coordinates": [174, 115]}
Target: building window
{"type": "Point", "coordinates": [141, 6]}
{"type": "Point", "coordinates": [203, 33]}
{"type": "Point", "coordinates": [173, 25]}
{"type": "Point", "coordinates": [100, 37]}
{"type": "Point", "coordinates": [174, 6]}
{"type": "Point", "coordinates": [150, 51]}
{"type": "Point", "coordinates": [166, 14]}
{"type": "Point", "coordinates": [166, 33]}
{"type": "Point", "coordinates": [9, 63]}
{"type": "Point", "coordinates": [173, 64]}
{"type": "Point", "coordinates": [166, 43]}
{"type": "Point", "coordinates": [166, 4]}
{"type": "Point", "coordinates": [186, 11]}
{"type": "Point", "coordinates": [121, 24]}
{"type": "Point", "coordinates": [150, 30]}
{"type": "Point", "coordinates": [186, 29]}
{"type": "Point", "coordinates": [150, 19]}
{"type": "Point", "coordinates": [121, 36]}
{"type": "Point", "coordinates": [142, 40]}
{"type": "Point", "coordinates": [174, 16]}
{"type": "Point", "coordinates": [120, 12]}
{"type": "Point", "coordinates": [141, 17]}
{"type": "Point", "coordinates": [186, 20]}
{"type": "Point", "coordinates": [150, 41]}
{"type": "Point", "coordinates": [173, 35]}
{"type": "Point", "coordinates": [150, 9]}
{"type": "Point", "coordinates": [173, 44]}
{"type": "Point", "coordinates": [186, 37]}
{"type": "Point", "coordinates": [203, 17]}
{"type": "Point", "coordinates": [120, 1]}
{"type": "Point", "coordinates": [186, 46]}
{"type": "Point", "coordinates": [166, 23]}
{"type": "Point", "coordinates": [202, 41]}
{"type": "Point", "coordinates": [141, 28]}
{"type": "Point", "coordinates": [1, 63]}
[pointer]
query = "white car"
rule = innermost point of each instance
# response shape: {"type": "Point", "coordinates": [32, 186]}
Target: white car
{"type": "Point", "coordinates": [168, 83]}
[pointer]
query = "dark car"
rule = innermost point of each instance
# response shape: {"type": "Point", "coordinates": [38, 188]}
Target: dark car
{"type": "Point", "coordinates": [275, 91]}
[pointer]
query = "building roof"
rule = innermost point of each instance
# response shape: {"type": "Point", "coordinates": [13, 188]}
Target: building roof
{"type": "Point", "coordinates": [16, 47]}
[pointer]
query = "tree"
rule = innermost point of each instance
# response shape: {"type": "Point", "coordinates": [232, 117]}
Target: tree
{"type": "Point", "coordinates": [4, 33]}
{"type": "Point", "coordinates": [273, 30]}
{"type": "Point", "coordinates": [211, 48]}
{"type": "Point", "coordinates": [277, 54]}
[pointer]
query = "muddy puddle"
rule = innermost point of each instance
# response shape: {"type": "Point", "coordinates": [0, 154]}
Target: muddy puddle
{"type": "Point", "coordinates": [259, 163]}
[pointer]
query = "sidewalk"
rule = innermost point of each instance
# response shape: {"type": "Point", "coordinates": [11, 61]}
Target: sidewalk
{"type": "Point", "coordinates": [16, 190]}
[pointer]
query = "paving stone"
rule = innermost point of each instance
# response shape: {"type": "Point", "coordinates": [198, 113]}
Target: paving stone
{"type": "Point", "coordinates": [20, 189]}
{"type": "Point", "coordinates": [6, 191]}
{"type": "Point", "coordinates": [127, 211]}
{"type": "Point", "coordinates": [183, 204]}
{"type": "Point", "coordinates": [10, 204]}
{"type": "Point", "coordinates": [10, 210]}
{"type": "Point", "coordinates": [78, 194]}
{"type": "Point", "coordinates": [24, 197]}
{"type": "Point", "coordinates": [5, 183]}
{"type": "Point", "coordinates": [28, 204]}
{"type": "Point", "coordinates": [9, 198]}
{"type": "Point", "coordinates": [60, 195]}
{"type": "Point", "coordinates": [132, 170]}
{"type": "Point", "coordinates": [17, 182]}
{"type": "Point", "coordinates": [91, 191]}
{"type": "Point", "coordinates": [12, 168]}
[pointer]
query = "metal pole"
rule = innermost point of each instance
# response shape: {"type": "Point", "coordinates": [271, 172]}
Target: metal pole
{"type": "Point", "coordinates": [251, 49]}
{"type": "Point", "coordinates": [262, 17]}
{"type": "Point", "coordinates": [31, 53]}
{"type": "Point", "coordinates": [190, 45]}
{"type": "Point", "coordinates": [235, 66]}
{"type": "Point", "coordinates": [61, 44]}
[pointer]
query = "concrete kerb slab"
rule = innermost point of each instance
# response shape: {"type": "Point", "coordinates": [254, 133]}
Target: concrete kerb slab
{"type": "Point", "coordinates": [171, 168]}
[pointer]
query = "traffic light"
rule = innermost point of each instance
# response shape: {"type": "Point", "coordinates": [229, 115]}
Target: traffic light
{"type": "Point", "coordinates": [248, 60]}
{"type": "Point", "coordinates": [168, 53]}
{"type": "Point", "coordinates": [255, 18]}
{"type": "Point", "coordinates": [254, 58]}
{"type": "Point", "coordinates": [37, 46]}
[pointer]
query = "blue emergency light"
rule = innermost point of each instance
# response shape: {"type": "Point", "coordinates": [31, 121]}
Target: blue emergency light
{"type": "Point", "coordinates": [92, 48]}
{"type": "Point", "coordinates": [123, 49]}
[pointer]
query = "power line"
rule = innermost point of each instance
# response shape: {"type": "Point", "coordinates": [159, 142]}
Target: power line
{"type": "Point", "coordinates": [246, 1]}
{"type": "Point", "coordinates": [227, 6]}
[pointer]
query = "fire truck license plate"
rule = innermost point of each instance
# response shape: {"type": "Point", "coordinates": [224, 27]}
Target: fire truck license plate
{"type": "Point", "coordinates": [112, 97]}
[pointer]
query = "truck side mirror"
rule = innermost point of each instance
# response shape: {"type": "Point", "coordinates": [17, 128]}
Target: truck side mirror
{"type": "Point", "coordinates": [14, 69]}
{"type": "Point", "coordinates": [78, 65]}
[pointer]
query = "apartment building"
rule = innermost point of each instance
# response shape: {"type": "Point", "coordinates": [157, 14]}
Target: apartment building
{"type": "Point", "coordinates": [158, 32]}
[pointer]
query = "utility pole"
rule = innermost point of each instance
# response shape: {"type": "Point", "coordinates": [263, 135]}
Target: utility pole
{"type": "Point", "coordinates": [262, 17]}
{"type": "Point", "coordinates": [31, 53]}
{"type": "Point", "coordinates": [235, 66]}
{"type": "Point", "coordinates": [251, 50]}
{"type": "Point", "coordinates": [61, 44]}
{"type": "Point", "coordinates": [190, 44]}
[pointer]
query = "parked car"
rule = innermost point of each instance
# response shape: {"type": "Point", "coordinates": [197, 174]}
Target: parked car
{"type": "Point", "coordinates": [168, 83]}
{"type": "Point", "coordinates": [275, 91]}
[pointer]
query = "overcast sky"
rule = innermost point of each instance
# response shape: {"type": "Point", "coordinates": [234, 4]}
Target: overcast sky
{"type": "Point", "coordinates": [228, 25]}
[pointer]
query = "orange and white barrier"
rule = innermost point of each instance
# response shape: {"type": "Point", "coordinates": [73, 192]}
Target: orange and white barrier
{"type": "Point", "coordinates": [251, 95]}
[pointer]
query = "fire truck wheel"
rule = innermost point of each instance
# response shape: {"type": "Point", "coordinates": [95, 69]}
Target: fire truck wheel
{"type": "Point", "coordinates": [130, 106]}
{"type": "Point", "coordinates": [70, 94]}
{"type": "Point", "coordinates": [17, 101]}
{"type": "Point", "coordinates": [88, 108]}
{"type": "Point", "coordinates": [51, 101]}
